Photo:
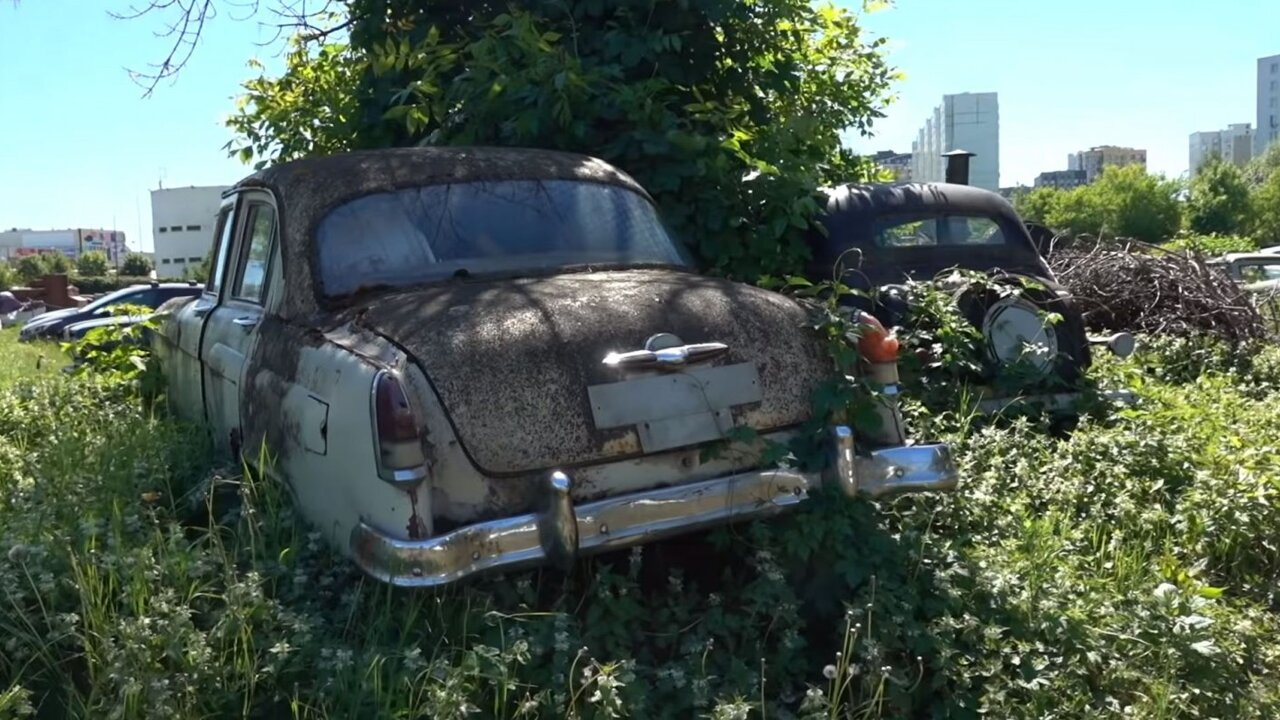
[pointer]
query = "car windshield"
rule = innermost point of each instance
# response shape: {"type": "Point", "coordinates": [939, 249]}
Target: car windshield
{"type": "Point", "coordinates": [892, 232]}
{"type": "Point", "coordinates": [434, 232]}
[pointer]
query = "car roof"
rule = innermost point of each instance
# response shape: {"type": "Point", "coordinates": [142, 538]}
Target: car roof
{"type": "Point", "coordinates": [881, 198]}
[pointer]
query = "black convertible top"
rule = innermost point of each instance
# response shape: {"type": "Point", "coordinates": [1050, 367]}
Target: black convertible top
{"type": "Point", "coordinates": [854, 211]}
{"type": "Point", "coordinates": [307, 190]}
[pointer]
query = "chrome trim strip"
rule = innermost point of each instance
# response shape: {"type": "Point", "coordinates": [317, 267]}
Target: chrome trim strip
{"type": "Point", "coordinates": [561, 532]}
{"type": "Point", "coordinates": [917, 468]}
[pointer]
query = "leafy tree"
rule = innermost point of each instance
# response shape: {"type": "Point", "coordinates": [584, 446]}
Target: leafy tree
{"type": "Point", "coordinates": [135, 263]}
{"type": "Point", "coordinates": [1261, 168]}
{"type": "Point", "coordinates": [1077, 211]}
{"type": "Point", "coordinates": [31, 268]}
{"type": "Point", "coordinates": [55, 263]}
{"type": "Point", "coordinates": [1266, 202]}
{"type": "Point", "coordinates": [1038, 204]}
{"type": "Point", "coordinates": [1219, 200]}
{"type": "Point", "coordinates": [93, 264]}
{"type": "Point", "coordinates": [729, 113]}
{"type": "Point", "coordinates": [1123, 201]}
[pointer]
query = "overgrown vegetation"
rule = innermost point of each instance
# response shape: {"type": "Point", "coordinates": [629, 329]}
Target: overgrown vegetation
{"type": "Point", "coordinates": [1224, 208]}
{"type": "Point", "coordinates": [1125, 570]}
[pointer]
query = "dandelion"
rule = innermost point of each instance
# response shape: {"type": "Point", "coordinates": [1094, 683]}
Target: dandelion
{"type": "Point", "coordinates": [829, 672]}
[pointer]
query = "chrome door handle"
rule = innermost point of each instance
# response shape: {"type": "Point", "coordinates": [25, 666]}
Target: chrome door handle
{"type": "Point", "coordinates": [201, 310]}
{"type": "Point", "coordinates": [246, 322]}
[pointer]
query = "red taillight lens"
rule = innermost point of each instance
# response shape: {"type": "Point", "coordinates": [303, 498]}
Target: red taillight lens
{"type": "Point", "coordinates": [876, 344]}
{"type": "Point", "coordinates": [396, 421]}
{"type": "Point", "coordinates": [397, 429]}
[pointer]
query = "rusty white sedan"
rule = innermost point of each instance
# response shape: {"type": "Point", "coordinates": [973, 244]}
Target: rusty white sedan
{"type": "Point", "coordinates": [469, 359]}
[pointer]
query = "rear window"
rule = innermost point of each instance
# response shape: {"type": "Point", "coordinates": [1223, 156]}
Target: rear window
{"type": "Point", "coordinates": [430, 233]}
{"type": "Point", "coordinates": [936, 230]}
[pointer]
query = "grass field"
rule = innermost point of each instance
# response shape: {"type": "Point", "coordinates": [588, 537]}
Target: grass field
{"type": "Point", "coordinates": [1128, 570]}
{"type": "Point", "coordinates": [27, 361]}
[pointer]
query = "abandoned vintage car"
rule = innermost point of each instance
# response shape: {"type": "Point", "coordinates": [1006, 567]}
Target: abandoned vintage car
{"type": "Point", "coordinates": [469, 359]}
{"type": "Point", "coordinates": [884, 235]}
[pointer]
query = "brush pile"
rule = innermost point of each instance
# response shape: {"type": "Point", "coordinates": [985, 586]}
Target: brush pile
{"type": "Point", "coordinates": [1132, 286]}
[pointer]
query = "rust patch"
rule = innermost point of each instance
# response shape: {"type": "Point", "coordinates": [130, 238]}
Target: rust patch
{"type": "Point", "coordinates": [272, 368]}
{"type": "Point", "coordinates": [416, 528]}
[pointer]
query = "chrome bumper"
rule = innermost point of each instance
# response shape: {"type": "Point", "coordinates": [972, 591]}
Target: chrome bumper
{"type": "Point", "coordinates": [560, 532]}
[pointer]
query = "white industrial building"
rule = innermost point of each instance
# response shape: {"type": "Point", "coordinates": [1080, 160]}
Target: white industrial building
{"type": "Point", "coordinates": [965, 121]}
{"type": "Point", "coordinates": [1234, 145]}
{"type": "Point", "coordinates": [182, 221]}
{"type": "Point", "coordinates": [1267, 130]}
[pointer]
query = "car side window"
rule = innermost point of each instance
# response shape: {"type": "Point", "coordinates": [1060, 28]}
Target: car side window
{"type": "Point", "coordinates": [251, 280]}
{"type": "Point", "coordinates": [222, 236]}
{"type": "Point", "coordinates": [939, 230]}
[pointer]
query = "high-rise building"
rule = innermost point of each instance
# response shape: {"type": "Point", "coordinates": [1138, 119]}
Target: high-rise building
{"type": "Point", "coordinates": [966, 121]}
{"type": "Point", "coordinates": [1268, 128]}
{"type": "Point", "coordinates": [1093, 160]}
{"type": "Point", "coordinates": [1234, 145]}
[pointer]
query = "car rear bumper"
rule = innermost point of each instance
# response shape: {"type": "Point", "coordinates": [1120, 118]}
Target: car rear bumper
{"type": "Point", "coordinates": [561, 531]}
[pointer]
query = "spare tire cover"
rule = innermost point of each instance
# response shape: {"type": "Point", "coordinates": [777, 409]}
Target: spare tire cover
{"type": "Point", "coordinates": [1014, 326]}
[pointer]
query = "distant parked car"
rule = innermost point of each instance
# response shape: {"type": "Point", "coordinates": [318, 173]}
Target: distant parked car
{"type": "Point", "coordinates": [72, 323]}
{"type": "Point", "coordinates": [464, 359]}
{"type": "Point", "coordinates": [1257, 272]}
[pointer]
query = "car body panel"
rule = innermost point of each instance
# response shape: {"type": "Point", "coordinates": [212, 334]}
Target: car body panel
{"type": "Point", "coordinates": [505, 378]}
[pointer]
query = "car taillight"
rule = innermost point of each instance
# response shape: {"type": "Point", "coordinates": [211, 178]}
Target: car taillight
{"type": "Point", "coordinates": [397, 431]}
{"type": "Point", "coordinates": [876, 344]}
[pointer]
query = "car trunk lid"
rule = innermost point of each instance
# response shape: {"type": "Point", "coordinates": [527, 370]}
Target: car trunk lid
{"type": "Point", "coordinates": [519, 364]}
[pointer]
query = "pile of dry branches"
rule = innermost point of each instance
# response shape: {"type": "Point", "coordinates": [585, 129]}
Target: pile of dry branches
{"type": "Point", "coordinates": [1142, 288]}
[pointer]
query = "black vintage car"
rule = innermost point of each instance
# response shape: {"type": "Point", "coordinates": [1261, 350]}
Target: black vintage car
{"type": "Point", "coordinates": [884, 235]}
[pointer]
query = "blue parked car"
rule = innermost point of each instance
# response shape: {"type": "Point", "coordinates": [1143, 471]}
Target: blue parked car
{"type": "Point", "coordinates": [72, 323]}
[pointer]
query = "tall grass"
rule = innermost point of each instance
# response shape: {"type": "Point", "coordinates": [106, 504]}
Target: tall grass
{"type": "Point", "coordinates": [1127, 570]}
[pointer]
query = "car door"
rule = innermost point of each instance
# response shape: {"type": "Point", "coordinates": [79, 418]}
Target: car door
{"type": "Point", "coordinates": [179, 341]}
{"type": "Point", "coordinates": [230, 330]}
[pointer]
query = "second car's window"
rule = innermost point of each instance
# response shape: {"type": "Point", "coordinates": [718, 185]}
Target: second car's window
{"type": "Point", "coordinates": [252, 281]}
{"type": "Point", "coordinates": [938, 230]}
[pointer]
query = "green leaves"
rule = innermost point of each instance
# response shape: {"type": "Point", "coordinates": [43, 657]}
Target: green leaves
{"type": "Point", "coordinates": [729, 113]}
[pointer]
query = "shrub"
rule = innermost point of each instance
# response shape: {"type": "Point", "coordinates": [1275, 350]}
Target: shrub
{"type": "Point", "coordinates": [110, 283]}
{"type": "Point", "coordinates": [93, 264]}
{"type": "Point", "coordinates": [137, 264]}
{"type": "Point", "coordinates": [31, 268]}
{"type": "Point", "coordinates": [55, 263]}
{"type": "Point", "coordinates": [8, 276]}
{"type": "Point", "coordinates": [1211, 245]}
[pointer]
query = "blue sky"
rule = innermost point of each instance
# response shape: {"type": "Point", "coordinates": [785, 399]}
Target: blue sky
{"type": "Point", "coordinates": [80, 146]}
